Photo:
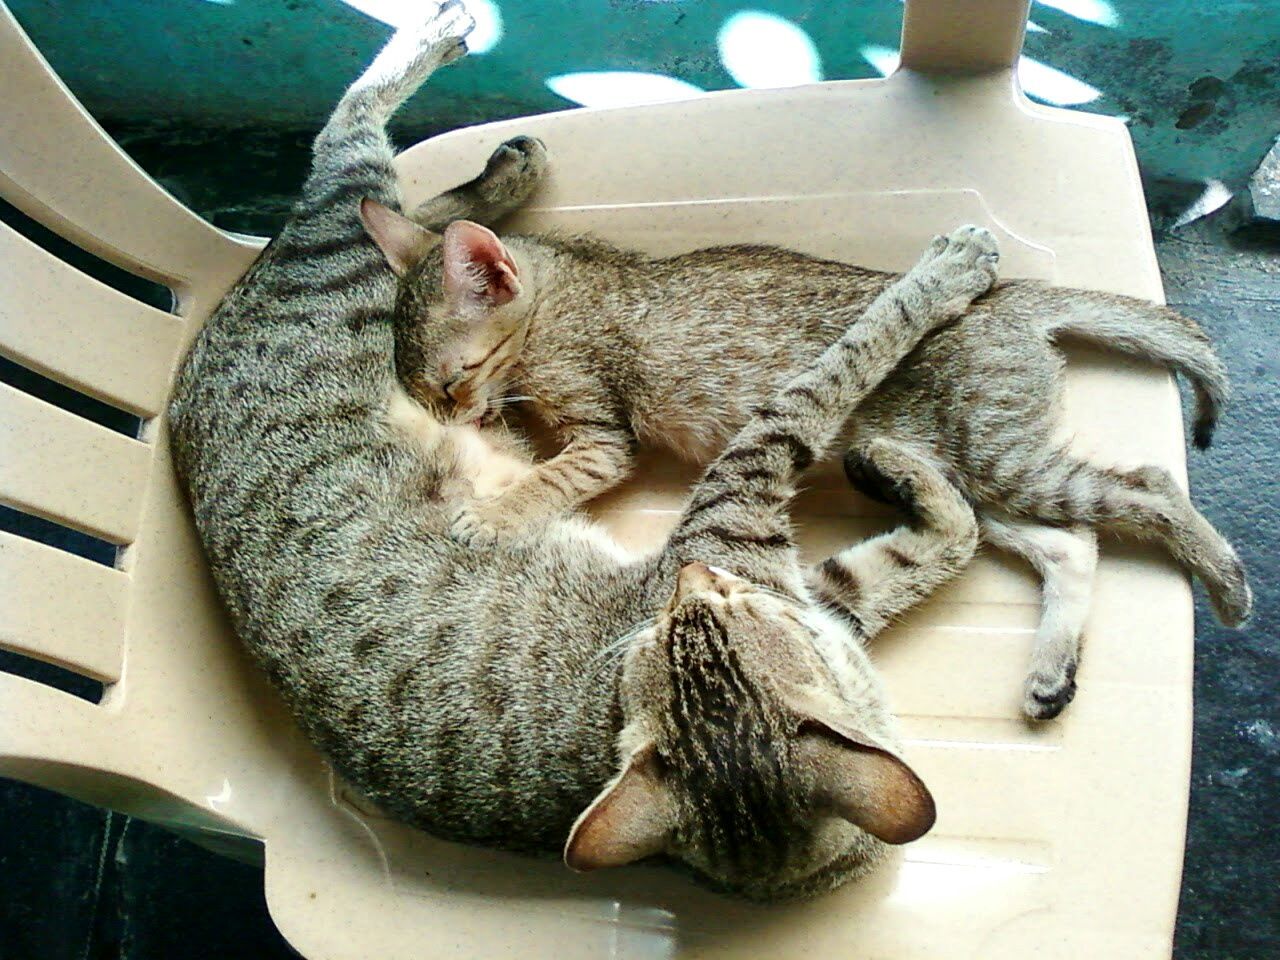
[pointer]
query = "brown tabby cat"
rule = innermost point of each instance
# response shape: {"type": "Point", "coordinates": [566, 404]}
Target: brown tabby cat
{"type": "Point", "coordinates": [613, 348]}
{"type": "Point", "coordinates": [526, 692]}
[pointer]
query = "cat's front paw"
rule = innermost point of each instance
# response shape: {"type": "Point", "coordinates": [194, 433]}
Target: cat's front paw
{"type": "Point", "coordinates": [445, 32]}
{"type": "Point", "coordinates": [468, 525]}
{"type": "Point", "coordinates": [957, 269]}
{"type": "Point", "coordinates": [482, 523]}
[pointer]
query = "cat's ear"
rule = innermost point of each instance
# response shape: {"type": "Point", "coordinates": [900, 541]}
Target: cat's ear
{"type": "Point", "coordinates": [401, 241]}
{"type": "Point", "coordinates": [478, 270]}
{"type": "Point", "coordinates": [631, 819]}
{"type": "Point", "coordinates": [863, 781]}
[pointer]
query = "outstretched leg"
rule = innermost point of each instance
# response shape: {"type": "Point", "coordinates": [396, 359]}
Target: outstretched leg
{"type": "Point", "coordinates": [512, 174]}
{"type": "Point", "coordinates": [352, 152]}
{"type": "Point", "coordinates": [1144, 503]}
{"type": "Point", "coordinates": [878, 580]}
{"type": "Point", "coordinates": [1066, 560]}
{"type": "Point", "coordinates": [739, 515]}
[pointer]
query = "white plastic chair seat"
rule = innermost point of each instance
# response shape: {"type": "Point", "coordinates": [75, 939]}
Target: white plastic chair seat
{"type": "Point", "coordinates": [1061, 839]}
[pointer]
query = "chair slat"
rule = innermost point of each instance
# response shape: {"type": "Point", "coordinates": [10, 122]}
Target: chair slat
{"type": "Point", "coordinates": [58, 166]}
{"type": "Point", "coordinates": [70, 327]}
{"type": "Point", "coordinates": [64, 468]}
{"type": "Point", "coordinates": [61, 608]}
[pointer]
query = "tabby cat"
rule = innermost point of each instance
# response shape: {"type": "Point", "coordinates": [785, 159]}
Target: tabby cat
{"type": "Point", "coordinates": [612, 348]}
{"type": "Point", "coordinates": [553, 693]}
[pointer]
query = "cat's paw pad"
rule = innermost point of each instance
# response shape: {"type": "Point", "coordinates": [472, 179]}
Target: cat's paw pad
{"type": "Point", "coordinates": [514, 168]}
{"type": "Point", "coordinates": [469, 526]}
{"type": "Point", "coordinates": [1049, 692]}
{"type": "Point", "coordinates": [446, 31]}
{"type": "Point", "coordinates": [955, 270]}
{"type": "Point", "coordinates": [973, 251]}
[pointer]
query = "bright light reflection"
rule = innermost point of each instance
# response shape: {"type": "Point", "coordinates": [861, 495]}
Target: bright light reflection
{"type": "Point", "coordinates": [1053, 86]}
{"type": "Point", "coordinates": [621, 88]}
{"type": "Point", "coordinates": [396, 13]}
{"type": "Point", "coordinates": [883, 59]}
{"type": "Point", "coordinates": [1033, 27]}
{"type": "Point", "coordinates": [1038, 79]}
{"type": "Point", "coordinates": [761, 49]}
{"type": "Point", "coordinates": [1216, 194]}
{"type": "Point", "coordinates": [217, 801]}
{"type": "Point", "coordinates": [1093, 11]}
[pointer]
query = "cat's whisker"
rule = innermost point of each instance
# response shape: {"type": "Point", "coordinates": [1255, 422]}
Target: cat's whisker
{"type": "Point", "coordinates": [618, 647]}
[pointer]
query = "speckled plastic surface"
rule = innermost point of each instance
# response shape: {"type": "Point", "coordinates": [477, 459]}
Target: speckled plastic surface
{"type": "Point", "coordinates": [1054, 840]}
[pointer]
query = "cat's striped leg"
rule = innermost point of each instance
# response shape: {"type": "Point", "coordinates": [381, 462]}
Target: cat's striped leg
{"type": "Point", "coordinates": [596, 458]}
{"type": "Point", "coordinates": [353, 146]}
{"type": "Point", "coordinates": [738, 517]}
{"type": "Point", "coordinates": [1065, 560]}
{"type": "Point", "coordinates": [1145, 503]}
{"type": "Point", "coordinates": [876, 581]}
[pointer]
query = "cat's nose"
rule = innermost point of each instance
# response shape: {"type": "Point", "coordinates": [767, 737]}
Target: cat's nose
{"type": "Point", "coordinates": [450, 385]}
{"type": "Point", "coordinates": [694, 578]}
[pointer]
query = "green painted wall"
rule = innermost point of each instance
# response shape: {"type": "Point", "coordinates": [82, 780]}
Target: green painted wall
{"type": "Point", "coordinates": [1199, 79]}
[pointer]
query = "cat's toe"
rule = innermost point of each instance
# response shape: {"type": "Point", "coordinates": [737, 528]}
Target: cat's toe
{"type": "Point", "coordinates": [473, 530]}
{"type": "Point", "coordinates": [1048, 695]}
{"type": "Point", "coordinates": [450, 26]}
{"type": "Point", "coordinates": [518, 158]}
{"type": "Point", "coordinates": [1233, 600]}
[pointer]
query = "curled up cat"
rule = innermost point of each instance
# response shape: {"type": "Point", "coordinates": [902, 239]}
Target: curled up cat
{"type": "Point", "coordinates": [711, 703]}
{"type": "Point", "coordinates": [612, 348]}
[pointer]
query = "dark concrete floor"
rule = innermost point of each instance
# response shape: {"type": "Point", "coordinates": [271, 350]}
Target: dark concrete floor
{"type": "Point", "coordinates": [77, 882]}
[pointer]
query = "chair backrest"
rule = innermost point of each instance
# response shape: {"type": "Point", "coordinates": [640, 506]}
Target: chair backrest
{"type": "Point", "coordinates": [1062, 839]}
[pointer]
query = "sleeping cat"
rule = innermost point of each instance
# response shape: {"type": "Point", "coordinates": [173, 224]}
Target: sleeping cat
{"type": "Point", "coordinates": [554, 694]}
{"type": "Point", "coordinates": [612, 348]}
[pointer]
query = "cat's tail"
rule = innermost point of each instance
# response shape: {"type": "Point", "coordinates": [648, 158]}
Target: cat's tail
{"type": "Point", "coordinates": [1151, 332]}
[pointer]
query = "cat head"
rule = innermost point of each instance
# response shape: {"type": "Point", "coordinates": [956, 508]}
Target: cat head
{"type": "Point", "coordinates": [740, 757]}
{"type": "Point", "coordinates": [461, 311]}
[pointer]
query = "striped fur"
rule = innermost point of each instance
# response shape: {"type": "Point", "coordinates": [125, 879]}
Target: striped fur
{"type": "Point", "coordinates": [613, 348]}
{"type": "Point", "coordinates": [487, 695]}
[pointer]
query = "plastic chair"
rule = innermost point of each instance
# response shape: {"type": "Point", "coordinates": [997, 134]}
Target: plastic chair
{"type": "Point", "coordinates": [1061, 839]}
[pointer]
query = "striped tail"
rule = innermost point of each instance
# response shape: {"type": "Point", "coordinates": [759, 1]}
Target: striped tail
{"type": "Point", "coordinates": [1152, 332]}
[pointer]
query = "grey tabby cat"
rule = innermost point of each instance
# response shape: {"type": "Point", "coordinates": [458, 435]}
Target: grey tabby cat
{"type": "Point", "coordinates": [613, 348]}
{"type": "Point", "coordinates": [553, 694]}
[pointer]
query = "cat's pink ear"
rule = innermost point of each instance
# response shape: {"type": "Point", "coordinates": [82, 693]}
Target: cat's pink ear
{"type": "Point", "coordinates": [864, 782]}
{"type": "Point", "coordinates": [630, 819]}
{"type": "Point", "coordinates": [478, 270]}
{"type": "Point", "coordinates": [401, 240]}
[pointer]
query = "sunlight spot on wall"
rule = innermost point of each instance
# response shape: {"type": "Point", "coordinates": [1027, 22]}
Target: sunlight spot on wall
{"type": "Point", "coordinates": [884, 59]}
{"type": "Point", "coordinates": [761, 49]}
{"type": "Point", "coordinates": [398, 13]}
{"type": "Point", "coordinates": [621, 88]}
{"type": "Point", "coordinates": [1038, 79]}
{"type": "Point", "coordinates": [488, 29]}
{"type": "Point", "coordinates": [1053, 86]}
{"type": "Point", "coordinates": [1215, 195]}
{"type": "Point", "coordinates": [1093, 11]}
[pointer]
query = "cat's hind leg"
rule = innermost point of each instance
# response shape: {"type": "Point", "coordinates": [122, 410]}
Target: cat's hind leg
{"type": "Point", "coordinates": [1144, 503]}
{"type": "Point", "coordinates": [876, 581]}
{"type": "Point", "coordinates": [1065, 559]}
{"type": "Point", "coordinates": [509, 178]}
